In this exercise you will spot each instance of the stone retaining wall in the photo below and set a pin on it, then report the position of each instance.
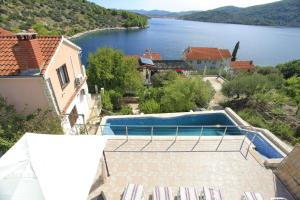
(289, 172)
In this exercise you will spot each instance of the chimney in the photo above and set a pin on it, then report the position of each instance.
(28, 52)
(251, 62)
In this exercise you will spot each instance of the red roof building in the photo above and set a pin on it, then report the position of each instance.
(17, 53)
(204, 53)
(44, 72)
(242, 65)
(152, 56)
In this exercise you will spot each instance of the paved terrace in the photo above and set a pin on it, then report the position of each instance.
(187, 163)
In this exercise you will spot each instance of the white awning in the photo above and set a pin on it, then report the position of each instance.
(50, 167)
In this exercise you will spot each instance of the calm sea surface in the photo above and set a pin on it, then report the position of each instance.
(263, 45)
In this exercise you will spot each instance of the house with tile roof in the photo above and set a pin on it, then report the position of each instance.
(242, 66)
(204, 57)
(44, 72)
(152, 56)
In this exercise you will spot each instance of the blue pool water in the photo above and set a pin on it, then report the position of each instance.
(190, 125)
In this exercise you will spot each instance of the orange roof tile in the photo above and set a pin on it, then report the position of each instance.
(4, 32)
(242, 65)
(8, 61)
(225, 53)
(204, 53)
(152, 56)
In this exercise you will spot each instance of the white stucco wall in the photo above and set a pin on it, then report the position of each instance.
(82, 103)
(210, 63)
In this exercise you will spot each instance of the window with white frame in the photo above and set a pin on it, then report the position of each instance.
(63, 76)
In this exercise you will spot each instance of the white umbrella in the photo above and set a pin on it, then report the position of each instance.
(50, 167)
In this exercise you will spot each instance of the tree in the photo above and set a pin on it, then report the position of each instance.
(108, 68)
(184, 94)
(133, 81)
(247, 85)
(290, 69)
(159, 79)
(235, 51)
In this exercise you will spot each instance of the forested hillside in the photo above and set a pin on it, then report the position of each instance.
(63, 16)
(162, 13)
(281, 13)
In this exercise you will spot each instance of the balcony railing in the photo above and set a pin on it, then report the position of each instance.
(246, 133)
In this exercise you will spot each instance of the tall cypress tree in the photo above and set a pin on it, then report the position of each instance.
(235, 51)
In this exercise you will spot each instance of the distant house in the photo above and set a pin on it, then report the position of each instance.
(242, 66)
(44, 72)
(145, 66)
(175, 65)
(201, 57)
(152, 56)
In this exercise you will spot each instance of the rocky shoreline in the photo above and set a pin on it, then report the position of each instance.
(104, 29)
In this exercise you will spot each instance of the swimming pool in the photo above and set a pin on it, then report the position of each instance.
(208, 124)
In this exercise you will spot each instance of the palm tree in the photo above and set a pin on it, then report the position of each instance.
(235, 51)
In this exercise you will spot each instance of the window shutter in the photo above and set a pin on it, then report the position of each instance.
(73, 116)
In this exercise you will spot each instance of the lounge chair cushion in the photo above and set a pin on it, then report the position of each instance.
(133, 192)
(188, 193)
(253, 196)
(212, 194)
(162, 193)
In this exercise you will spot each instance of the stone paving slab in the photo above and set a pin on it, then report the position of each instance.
(229, 171)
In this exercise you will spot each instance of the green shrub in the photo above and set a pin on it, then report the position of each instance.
(149, 106)
(290, 69)
(125, 110)
(279, 128)
(283, 130)
(115, 98)
(253, 118)
(266, 70)
(13, 125)
(160, 79)
(106, 102)
(247, 85)
(184, 94)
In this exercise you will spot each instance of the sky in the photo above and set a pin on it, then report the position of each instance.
(176, 5)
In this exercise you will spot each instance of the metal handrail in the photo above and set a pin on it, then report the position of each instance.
(174, 126)
(242, 130)
(222, 138)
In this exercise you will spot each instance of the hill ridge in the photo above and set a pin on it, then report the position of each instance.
(63, 16)
(280, 13)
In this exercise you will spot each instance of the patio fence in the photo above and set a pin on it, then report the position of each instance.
(218, 136)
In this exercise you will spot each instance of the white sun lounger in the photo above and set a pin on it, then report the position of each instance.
(252, 196)
(188, 193)
(209, 193)
(133, 192)
(162, 193)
